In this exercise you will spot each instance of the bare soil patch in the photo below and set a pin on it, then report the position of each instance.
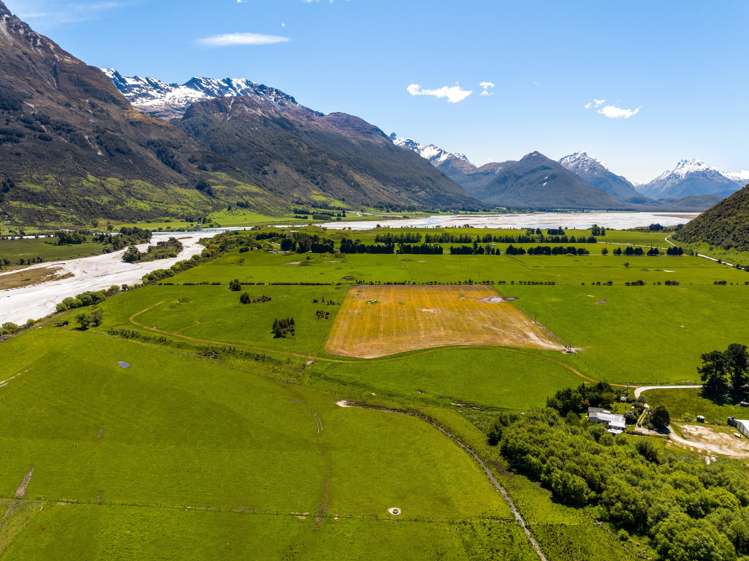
(31, 276)
(21, 490)
(725, 443)
(377, 321)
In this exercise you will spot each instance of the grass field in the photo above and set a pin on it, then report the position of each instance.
(377, 321)
(187, 444)
(182, 429)
(46, 249)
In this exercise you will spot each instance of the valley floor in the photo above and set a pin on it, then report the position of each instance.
(182, 425)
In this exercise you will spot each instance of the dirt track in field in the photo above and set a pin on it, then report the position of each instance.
(377, 321)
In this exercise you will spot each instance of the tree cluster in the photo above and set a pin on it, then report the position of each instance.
(72, 238)
(89, 320)
(306, 243)
(162, 250)
(725, 374)
(577, 400)
(247, 299)
(86, 299)
(685, 510)
(284, 328)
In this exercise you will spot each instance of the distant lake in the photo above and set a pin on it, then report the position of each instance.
(569, 220)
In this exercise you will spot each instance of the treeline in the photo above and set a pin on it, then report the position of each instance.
(4, 262)
(685, 510)
(630, 251)
(355, 246)
(546, 250)
(450, 238)
(306, 243)
(89, 298)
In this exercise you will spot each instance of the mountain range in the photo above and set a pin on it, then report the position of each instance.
(691, 185)
(79, 144)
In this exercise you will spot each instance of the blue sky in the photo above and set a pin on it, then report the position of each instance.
(673, 74)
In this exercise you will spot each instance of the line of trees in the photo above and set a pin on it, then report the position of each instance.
(531, 237)
(306, 243)
(355, 246)
(546, 250)
(420, 249)
(630, 251)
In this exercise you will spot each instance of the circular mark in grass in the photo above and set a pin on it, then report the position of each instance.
(394, 511)
(124, 364)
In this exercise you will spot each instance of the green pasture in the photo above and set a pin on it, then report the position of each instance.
(47, 249)
(194, 456)
(686, 405)
(182, 443)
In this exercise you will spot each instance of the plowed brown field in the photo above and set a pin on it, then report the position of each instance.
(377, 321)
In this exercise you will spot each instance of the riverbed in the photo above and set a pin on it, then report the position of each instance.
(88, 274)
(571, 220)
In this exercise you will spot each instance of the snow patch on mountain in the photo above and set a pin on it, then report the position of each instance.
(434, 154)
(156, 97)
(690, 178)
(741, 176)
(582, 162)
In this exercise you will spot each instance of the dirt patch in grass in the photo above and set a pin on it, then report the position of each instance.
(21, 490)
(728, 443)
(377, 321)
(31, 276)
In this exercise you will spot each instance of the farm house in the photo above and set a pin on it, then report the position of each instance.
(614, 423)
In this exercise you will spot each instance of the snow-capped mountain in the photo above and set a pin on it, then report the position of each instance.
(455, 166)
(597, 174)
(169, 101)
(741, 177)
(434, 154)
(690, 178)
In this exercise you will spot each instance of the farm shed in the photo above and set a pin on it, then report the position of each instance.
(742, 427)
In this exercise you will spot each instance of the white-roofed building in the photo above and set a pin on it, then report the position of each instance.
(615, 424)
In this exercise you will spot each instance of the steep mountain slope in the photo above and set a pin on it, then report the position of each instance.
(541, 183)
(170, 101)
(725, 225)
(67, 133)
(689, 178)
(598, 175)
(305, 155)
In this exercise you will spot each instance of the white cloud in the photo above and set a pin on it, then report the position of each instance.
(594, 103)
(52, 13)
(611, 111)
(242, 39)
(614, 112)
(486, 88)
(453, 94)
